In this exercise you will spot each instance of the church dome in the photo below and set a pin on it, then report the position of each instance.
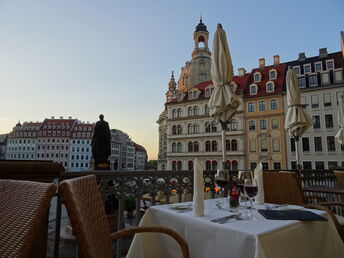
(201, 26)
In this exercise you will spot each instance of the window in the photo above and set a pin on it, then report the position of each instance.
(253, 90)
(253, 165)
(317, 144)
(305, 144)
(330, 143)
(207, 146)
(208, 165)
(179, 129)
(339, 94)
(252, 125)
(312, 78)
(319, 165)
(195, 113)
(325, 78)
(315, 101)
(329, 121)
(208, 92)
(228, 145)
(232, 125)
(179, 147)
(277, 165)
(302, 82)
(202, 77)
(174, 147)
(275, 123)
(179, 112)
(179, 165)
(327, 99)
(276, 146)
(262, 105)
(234, 145)
(174, 113)
(263, 145)
(269, 87)
(214, 146)
(257, 77)
(316, 122)
(190, 147)
(195, 128)
(329, 64)
(190, 128)
(293, 164)
(190, 165)
(190, 111)
(273, 74)
(252, 145)
(307, 165)
(213, 126)
(318, 67)
(265, 165)
(174, 165)
(196, 148)
(250, 107)
(296, 69)
(174, 130)
(332, 164)
(207, 127)
(263, 124)
(273, 104)
(214, 165)
(307, 68)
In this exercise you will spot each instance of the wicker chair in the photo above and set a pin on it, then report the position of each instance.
(285, 188)
(340, 178)
(24, 211)
(87, 214)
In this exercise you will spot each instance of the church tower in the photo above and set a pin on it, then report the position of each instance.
(171, 93)
(201, 37)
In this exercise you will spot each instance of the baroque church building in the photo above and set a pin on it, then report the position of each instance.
(186, 131)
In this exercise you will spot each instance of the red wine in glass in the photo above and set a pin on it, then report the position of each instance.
(251, 190)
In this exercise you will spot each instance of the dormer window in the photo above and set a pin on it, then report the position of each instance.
(253, 90)
(318, 66)
(329, 64)
(270, 87)
(257, 77)
(296, 70)
(273, 74)
(208, 92)
(202, 77)
(307, 68)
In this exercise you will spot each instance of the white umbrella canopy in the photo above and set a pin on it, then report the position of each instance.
(297, 120)
(340, 116)
(223, 102)
(342, 41)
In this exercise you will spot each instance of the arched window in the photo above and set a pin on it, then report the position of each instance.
(179, 147)
(190, 128)
(190, 111)
(214, 146)
(174, 130)
(214, 165)
(270, 87)
(179, 129)
(196, 147)
(213, 126)
(257, 77)
(206, 110)
(195, 111)
(174, 147)
(208, 165)
(179, 165)
(234, 145)
(190, 147)
(174, 165)
(174, 113)
(273, 74)
(234, 165)
(190, 165)
(207, 127)
(195, 128)
(253, 90)
(228, 145)
(228, 164)
(207, 146)
(179, 112)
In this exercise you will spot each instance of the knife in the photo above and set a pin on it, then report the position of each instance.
(222, 219)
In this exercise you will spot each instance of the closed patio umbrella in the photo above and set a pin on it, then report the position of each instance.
(340, 116)
(342, 41)
(297, 120)
(223, 103)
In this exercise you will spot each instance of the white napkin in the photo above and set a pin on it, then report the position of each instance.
(198, 197)
(258, 175)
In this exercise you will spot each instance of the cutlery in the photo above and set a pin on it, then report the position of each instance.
(224, 219)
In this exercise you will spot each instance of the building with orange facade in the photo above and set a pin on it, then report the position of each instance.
(264, 116)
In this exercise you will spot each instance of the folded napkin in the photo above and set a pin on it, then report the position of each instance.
(198, 197)
(258, 175)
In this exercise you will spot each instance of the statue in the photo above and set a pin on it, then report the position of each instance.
(101, 144)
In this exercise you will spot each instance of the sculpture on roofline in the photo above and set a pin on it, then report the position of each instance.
(101, 144)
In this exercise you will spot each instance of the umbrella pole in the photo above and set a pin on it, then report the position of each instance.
(298, 165)
(223, 127)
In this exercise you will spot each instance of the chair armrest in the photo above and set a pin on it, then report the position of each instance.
(130, 231)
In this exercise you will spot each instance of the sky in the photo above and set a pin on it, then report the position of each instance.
(81, 58)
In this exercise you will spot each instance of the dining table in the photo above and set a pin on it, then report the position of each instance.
(235, 238)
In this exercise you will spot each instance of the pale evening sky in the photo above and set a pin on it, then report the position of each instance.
(82, 58)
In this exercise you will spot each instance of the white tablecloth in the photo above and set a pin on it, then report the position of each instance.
(236, 238)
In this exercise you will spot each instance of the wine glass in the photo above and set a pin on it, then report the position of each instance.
(251, 191)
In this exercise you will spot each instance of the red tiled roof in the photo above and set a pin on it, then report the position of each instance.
(279, 81)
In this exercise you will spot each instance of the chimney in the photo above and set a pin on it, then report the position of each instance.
(322, 52)
(302, 56)
(52, 117)
(276, 59)
(261, 62)
(241, 71)
(61, 117)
